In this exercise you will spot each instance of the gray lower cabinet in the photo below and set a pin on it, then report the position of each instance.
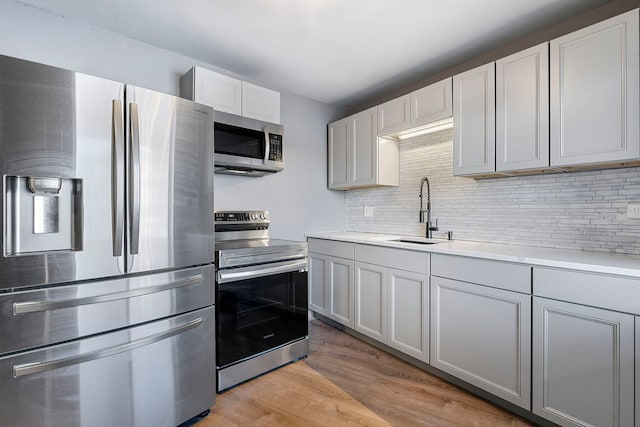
(637, 363)
(482, 335)
(331, 291)
(583, 364)
(371, 300)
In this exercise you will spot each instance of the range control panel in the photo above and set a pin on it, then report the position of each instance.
(241, 220)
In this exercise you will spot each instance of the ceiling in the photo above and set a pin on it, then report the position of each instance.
(340, 52)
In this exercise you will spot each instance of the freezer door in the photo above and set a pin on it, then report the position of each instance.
(169, 181)
(158, 374)
(60, 135)
(40, 317)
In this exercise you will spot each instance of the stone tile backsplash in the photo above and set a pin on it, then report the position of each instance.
(575, 210)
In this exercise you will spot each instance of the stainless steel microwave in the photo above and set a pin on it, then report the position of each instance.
(246, 146)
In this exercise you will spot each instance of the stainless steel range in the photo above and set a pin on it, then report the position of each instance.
(261, 298)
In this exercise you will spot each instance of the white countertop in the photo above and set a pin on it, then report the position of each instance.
(620, 264)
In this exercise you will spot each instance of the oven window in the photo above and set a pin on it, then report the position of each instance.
(259, 314)
(238, 141)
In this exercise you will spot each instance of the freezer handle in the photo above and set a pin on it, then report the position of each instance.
(134, 189)
(37, 367)
(37, 306)
(117, 177)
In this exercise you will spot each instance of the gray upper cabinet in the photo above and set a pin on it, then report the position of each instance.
(583, 364)
(474, 146)
(522, 110)
(357, 157)
(416, 110)
(594, 94)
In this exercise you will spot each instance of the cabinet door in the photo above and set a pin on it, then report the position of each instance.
(260, 103)
(583, 364)
(371, 301)
(318, 291)
(221, 92)
(474, 139)
(408, 312)
(431, 103)
(482, 335)
(363, 156)
(393, 116)
(522, 110)
(594, 93)
(340, 282)
(637, 365)
(338, 152)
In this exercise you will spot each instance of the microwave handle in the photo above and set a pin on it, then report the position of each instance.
(267, 145)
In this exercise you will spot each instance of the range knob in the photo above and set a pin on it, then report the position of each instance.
(254, 216)
(263, 216)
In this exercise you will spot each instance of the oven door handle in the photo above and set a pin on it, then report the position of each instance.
(246, 273)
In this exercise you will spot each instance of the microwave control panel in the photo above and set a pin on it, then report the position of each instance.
(275, 150)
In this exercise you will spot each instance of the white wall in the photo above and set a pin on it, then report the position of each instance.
(297, 197)
(574, 210)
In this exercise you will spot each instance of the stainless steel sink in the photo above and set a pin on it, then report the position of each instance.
(417, 241)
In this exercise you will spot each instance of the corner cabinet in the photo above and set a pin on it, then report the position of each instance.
(357, 157)
(595, 94)
(474, 112)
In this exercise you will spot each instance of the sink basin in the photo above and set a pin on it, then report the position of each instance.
(417, 241)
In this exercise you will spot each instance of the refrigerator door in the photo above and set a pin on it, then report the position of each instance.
(157, 374)
(62, 165)
(169, 181)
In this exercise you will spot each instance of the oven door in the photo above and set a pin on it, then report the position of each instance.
(260, 308)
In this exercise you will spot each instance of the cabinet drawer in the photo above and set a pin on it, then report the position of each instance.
(396, 258)
(497, 274)
(599, 290)
(331, 247)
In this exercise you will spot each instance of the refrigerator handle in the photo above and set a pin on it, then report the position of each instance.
(117, 177)
(134, 173)
(267, 145)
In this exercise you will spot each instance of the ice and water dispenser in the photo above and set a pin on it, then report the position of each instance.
(42, 214)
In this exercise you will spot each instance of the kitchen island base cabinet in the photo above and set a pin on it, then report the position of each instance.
(482, 335)
(583, 364)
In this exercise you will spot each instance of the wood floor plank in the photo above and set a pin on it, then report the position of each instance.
(347, 382)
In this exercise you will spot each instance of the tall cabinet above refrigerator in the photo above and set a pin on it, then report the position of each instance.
(106, 271)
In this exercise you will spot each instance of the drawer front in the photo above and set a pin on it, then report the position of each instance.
(158, 374)
(395, 258)
(47, 316)
(331, 247)
(594, 289)
(497, 274)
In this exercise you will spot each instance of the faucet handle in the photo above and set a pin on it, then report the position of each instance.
(434, 227)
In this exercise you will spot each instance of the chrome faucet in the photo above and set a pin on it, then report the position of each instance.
(425, 214)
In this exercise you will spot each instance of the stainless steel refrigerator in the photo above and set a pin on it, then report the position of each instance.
(106, 271)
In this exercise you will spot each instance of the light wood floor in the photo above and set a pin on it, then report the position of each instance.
(345, 381)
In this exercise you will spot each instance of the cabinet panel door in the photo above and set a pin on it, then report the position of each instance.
(594, 93)
(260, 103)
(431, 103)
(522, 110)
(583, 364)
(221, 92)
(363, 154)
(393, 115)
(371, 301)
(637, 364)
(482, 335)
(408, 311)
(318, 291)
(338, 154)
(340, 284)
(474, 135)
